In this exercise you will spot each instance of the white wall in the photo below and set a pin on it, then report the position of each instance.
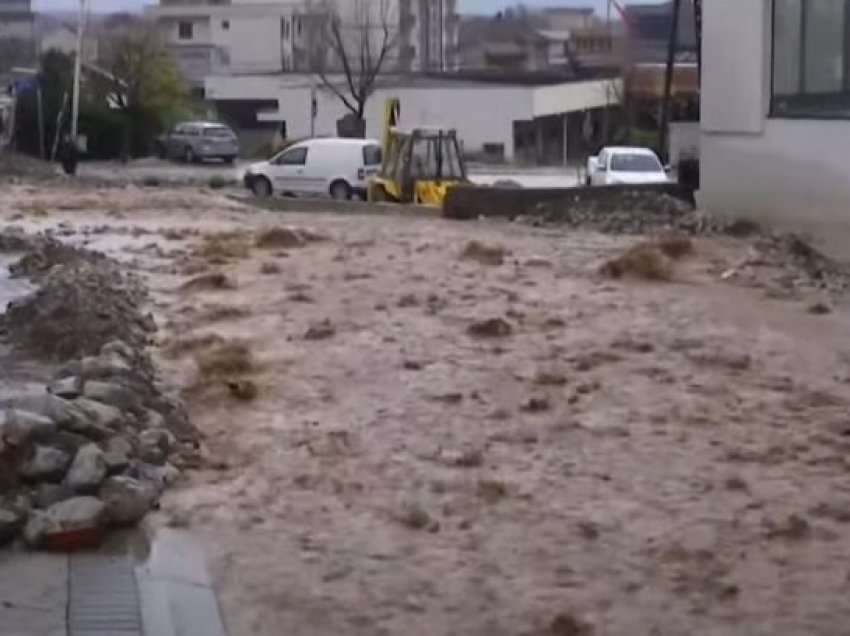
(568, 98)
(254, 43)
(16, 28)
(793, 174)
(480, 114)
(201, 33)
(734, 63)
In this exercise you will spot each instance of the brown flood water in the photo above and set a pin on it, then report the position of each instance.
(645, 459)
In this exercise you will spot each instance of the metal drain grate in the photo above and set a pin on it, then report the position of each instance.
(103, 596)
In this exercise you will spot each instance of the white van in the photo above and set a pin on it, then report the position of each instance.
(334, 166)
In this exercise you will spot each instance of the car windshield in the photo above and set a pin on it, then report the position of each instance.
(219, 132)
(634, 163)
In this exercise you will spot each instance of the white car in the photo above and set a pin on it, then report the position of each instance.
(617, 165)
(337, 167)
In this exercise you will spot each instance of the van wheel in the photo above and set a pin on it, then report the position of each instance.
(340, 191)
(261, 187)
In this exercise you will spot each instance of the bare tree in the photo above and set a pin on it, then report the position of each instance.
(357, 44)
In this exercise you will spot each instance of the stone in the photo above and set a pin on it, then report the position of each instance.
(19, 427)
(154, 419)
(105, 366)
(117, 454)
(126, 500)
(48, 494)
(159, 477)
(118, 348)
(109, 393)
(80, 515)
(64, 413)
(46, 464)
(67, 441)
(155, 444)
(67, 388)
(100, 417)
(10, 522)
(87, 470)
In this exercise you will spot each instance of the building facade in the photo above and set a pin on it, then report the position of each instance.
(776, 113)
(17, 34)
(550, 123)
(215, 37)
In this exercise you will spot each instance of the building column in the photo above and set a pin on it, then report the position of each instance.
(566, 124)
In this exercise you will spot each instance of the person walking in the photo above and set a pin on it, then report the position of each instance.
(69, 156)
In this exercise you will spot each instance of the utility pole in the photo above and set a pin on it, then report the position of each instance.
(668, 79)
(75, 99)
(606, 118)
(40, 109)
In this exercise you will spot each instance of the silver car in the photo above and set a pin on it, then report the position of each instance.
(197, 141)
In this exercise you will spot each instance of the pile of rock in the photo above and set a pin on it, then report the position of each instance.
(83, 301)
(95, 449)
(98, 446)
(634, 212)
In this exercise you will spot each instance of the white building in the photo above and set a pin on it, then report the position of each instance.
(17, 34)
(776, 113)
(512, 121)
(215, 37)
(57, 36)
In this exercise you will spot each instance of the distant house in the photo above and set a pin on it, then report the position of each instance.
(502, 42)
(776, 113)
(648, 32)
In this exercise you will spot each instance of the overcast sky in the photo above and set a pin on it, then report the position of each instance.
(466, 6)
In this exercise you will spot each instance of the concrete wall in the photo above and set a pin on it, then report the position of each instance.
(201, 32)
(17, 28)
(254, 43)
(793, 174)
(481, 115)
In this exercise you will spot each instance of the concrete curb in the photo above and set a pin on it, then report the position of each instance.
(280, 204)
(175, 589)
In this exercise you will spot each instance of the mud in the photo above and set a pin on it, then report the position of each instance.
(632, 458)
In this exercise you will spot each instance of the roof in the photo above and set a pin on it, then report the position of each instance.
(478, 30)
(204, 124)
(555, 35)
(342, 141)
(633, 150)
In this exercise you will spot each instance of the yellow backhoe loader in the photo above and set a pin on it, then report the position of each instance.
(419, 165)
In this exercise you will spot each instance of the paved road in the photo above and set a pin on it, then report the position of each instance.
(167, 171)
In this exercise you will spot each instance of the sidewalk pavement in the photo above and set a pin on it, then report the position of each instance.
(129, 587)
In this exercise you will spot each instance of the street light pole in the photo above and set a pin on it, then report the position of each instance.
(75, 99)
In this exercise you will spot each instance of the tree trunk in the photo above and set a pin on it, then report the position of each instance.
(126, 137)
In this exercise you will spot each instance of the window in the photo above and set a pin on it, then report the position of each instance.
(225, 25)
(371, 155)
(294, 157)
(634, 163)
(185, 30)
(219, 132)
(811, 58)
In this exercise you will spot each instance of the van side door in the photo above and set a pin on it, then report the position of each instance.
(287, 170)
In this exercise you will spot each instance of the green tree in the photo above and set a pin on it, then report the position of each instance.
(142, 82)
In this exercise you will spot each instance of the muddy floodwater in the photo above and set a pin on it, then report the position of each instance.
(405, 441)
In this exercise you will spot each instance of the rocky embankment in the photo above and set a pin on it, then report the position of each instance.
(99, 444)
